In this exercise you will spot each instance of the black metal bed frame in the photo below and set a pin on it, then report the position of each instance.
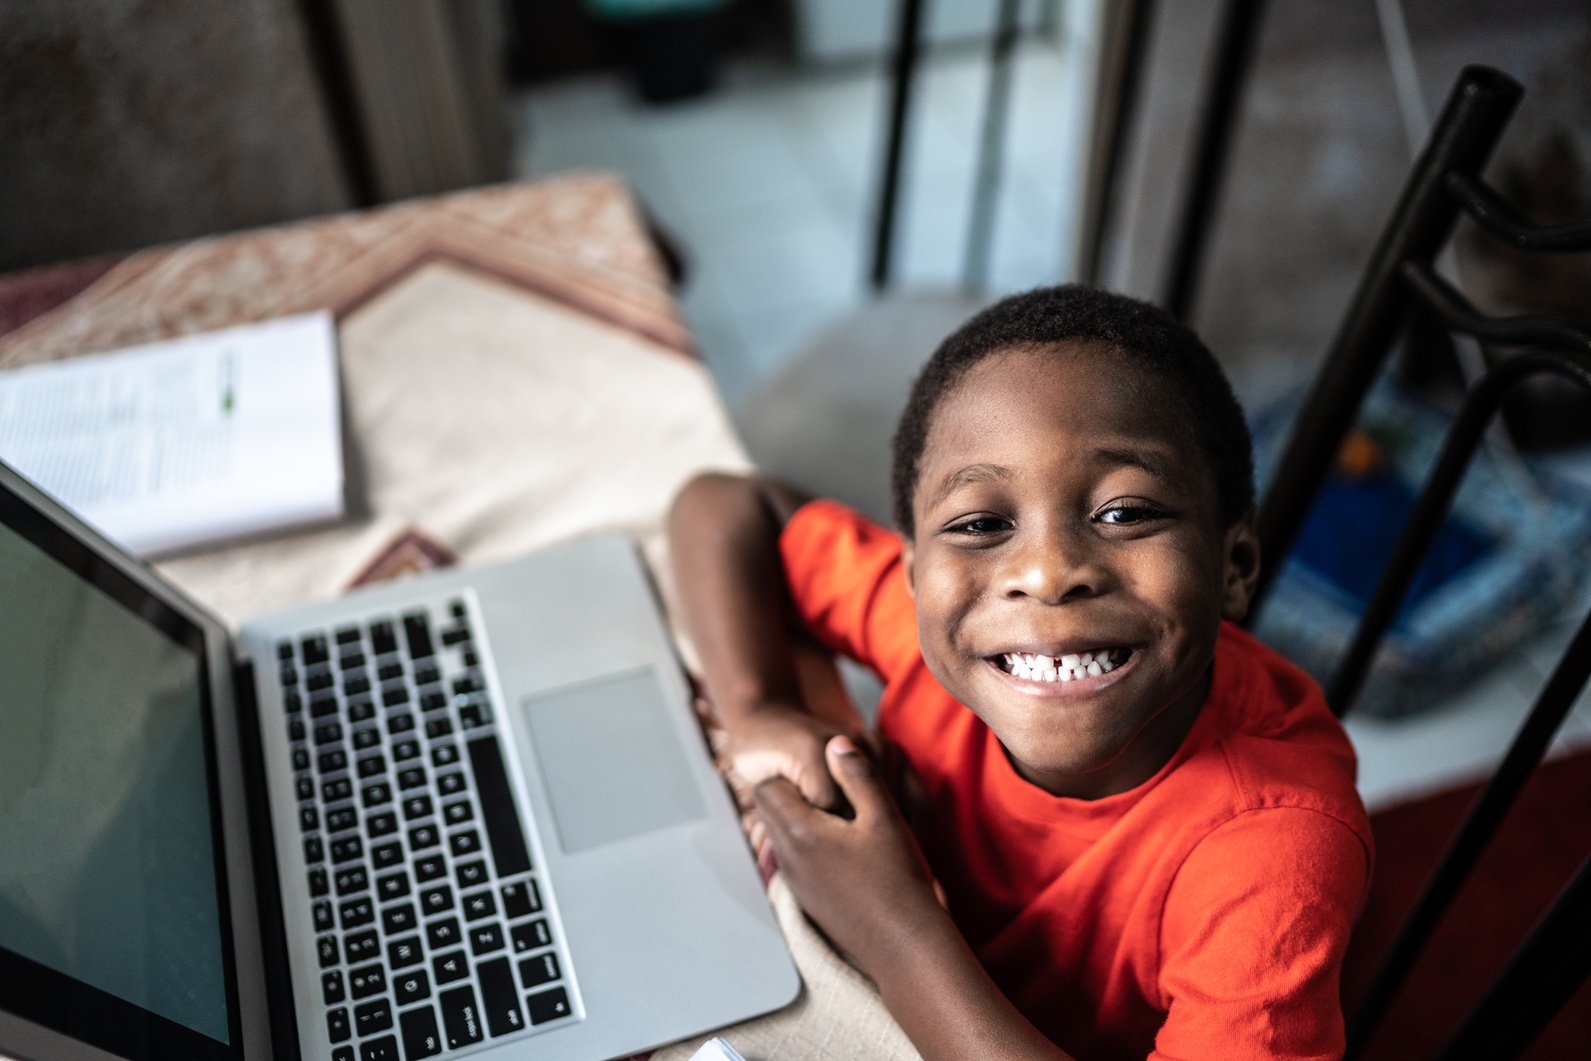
(1556, 956)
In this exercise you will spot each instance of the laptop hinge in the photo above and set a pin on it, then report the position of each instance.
(262, 841)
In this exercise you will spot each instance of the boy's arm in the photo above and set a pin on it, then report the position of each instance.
(864, 882)
(729, 580)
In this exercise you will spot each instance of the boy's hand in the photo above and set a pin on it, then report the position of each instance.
(772, 742)
(863, 880)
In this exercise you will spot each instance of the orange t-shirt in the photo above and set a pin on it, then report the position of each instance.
(1202, 914)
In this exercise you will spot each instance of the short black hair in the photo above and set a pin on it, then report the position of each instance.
(1144, 334)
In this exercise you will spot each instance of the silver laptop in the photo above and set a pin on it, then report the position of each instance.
(469, 814)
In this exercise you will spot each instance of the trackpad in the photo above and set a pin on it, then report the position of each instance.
(612, 759)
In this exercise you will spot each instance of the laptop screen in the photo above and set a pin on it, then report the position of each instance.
(113, 917)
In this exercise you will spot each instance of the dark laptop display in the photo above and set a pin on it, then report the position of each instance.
(112, 897)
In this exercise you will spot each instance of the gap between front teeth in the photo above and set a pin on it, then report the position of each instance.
(1032, 666)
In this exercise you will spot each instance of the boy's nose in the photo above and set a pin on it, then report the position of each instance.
(1052, 568)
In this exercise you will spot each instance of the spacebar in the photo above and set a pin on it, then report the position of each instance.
(497, 805)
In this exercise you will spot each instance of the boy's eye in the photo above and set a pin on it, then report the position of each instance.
(1129, 513)
(980, 525)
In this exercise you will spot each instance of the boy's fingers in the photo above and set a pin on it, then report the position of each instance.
(854, 772)
(778, 802)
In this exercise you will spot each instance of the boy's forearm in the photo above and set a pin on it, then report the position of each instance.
(947, 1005)
(729, 579)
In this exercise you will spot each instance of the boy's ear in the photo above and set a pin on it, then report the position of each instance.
(907, 554)
(1240, 567)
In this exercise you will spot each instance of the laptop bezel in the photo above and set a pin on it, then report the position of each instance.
(86, 1022)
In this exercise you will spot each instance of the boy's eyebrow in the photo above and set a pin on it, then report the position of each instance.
(1150, 460)
(972, 473)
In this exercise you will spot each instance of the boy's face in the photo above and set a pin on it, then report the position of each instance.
(1064, 507)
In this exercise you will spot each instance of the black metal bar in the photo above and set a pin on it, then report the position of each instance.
(330, 59)
(908, 40)
(1110, 146)
(1502, 220)
(1545, 716)
(1540, 978)
(1546, 329)
(1463, 139)
(1234, 58)
(991, 146)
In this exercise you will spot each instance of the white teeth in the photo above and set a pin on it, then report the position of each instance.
(1031, 666)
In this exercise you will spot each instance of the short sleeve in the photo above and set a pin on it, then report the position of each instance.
(849, 586)
(1252, 940)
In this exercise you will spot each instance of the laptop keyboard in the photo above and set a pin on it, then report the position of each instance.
(430, 923)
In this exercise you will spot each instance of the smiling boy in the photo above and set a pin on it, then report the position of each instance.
(1143, 822)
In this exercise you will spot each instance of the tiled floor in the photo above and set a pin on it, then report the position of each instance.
(769, 185)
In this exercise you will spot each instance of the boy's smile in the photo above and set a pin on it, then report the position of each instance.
(1069, 564)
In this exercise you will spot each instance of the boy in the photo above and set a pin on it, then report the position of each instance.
(1144, 823)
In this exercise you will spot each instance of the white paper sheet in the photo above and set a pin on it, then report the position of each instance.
(201, 438)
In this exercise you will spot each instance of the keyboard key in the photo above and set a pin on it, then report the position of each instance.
(347, 849)
(460, 1017)
(390, 671)
(331, 988)
(479, 905)
(318, 885)
(380, 792)
(313, 849)
(295, 729)
(300, 759)
(402, 953)
(501, 817)
(548, 1005)
(382, 1049)
(356, 684)
(426, 674)
(284, 650)
(471, 658)
(499, 999)
(350, 880)
(444, 755)
(348, 635)
(385, 856)
(366, 737)
(487, 938)
(373, 1017)
(314, 648)
(411, 777)
(323, 916)
(423, 836)
(333, 761)
(474, 716)
(465, 685)
(436, 900)
(337, 1025)
(458, 812)
(418, 807)
(417, 632)
(429, 868)
(392, 886)
(471, 873)
(292, 702)
(521, 899)
(305, 787)
(450, 784)
(465, 843)
(356, 912)
(321, 706)
(531, 936)
(326, 949)
(336, 790)
(443, 933)
(402, 722)
(412, 987)
(542, 969)
(381, 824)
(457, 610)
(353, 659)
(456, 635)
(420, 1036)
(437, 727)
(361, 711)
(396, 919)
(450, 966)
(367, 980)
(434, 700)
(361, 947)
(382, 638)
(394, 695)
(341, 819)
(318, 681)
(288, 674)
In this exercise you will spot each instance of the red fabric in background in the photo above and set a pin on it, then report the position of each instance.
(1542, 841)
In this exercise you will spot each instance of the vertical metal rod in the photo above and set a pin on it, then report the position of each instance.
(1465, 134)
(1540, 978)
(908, 40)
(1122, 66)
(991, 148)
(1234, 57)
